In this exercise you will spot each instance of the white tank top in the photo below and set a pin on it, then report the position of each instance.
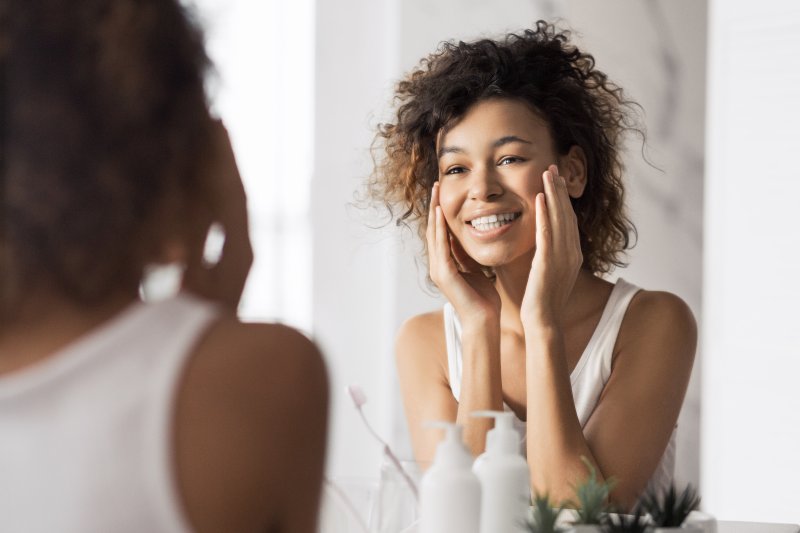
(85, 435)
(589, 376)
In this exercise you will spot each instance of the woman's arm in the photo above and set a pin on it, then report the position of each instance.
(631, 425)
(422, 354)
(555, 441)
(424, 382)
(629, 430)
(481, 382)
(422, 370)
(638, 410)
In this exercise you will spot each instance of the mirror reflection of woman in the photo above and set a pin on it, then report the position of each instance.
(506, 155)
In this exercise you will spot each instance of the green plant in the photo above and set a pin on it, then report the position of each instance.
(626, 523)
(592, 497)
(544, 515)
(671, 509)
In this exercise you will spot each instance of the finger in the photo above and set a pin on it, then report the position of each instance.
(568, 231)
(551, 194)
(442, 240)
(543, 230)
(562, 193)
(430, 230)
(458, 254)
(553, 203)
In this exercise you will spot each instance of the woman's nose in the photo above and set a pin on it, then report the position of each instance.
(484, 184)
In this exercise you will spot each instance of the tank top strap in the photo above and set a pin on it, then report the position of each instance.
(196, 315)
(594, 365)
(452, 337)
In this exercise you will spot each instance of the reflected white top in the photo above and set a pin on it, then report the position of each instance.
(85, 435)
(589, 376)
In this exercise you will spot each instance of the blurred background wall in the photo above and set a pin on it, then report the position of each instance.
(303, 84)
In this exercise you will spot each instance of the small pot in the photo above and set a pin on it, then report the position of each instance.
(584, 528)
(685, 528)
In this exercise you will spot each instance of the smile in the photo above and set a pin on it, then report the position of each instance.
(491, 222)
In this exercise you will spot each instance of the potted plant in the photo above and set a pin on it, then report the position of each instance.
(626, 523)
(544, 516)
(669, 512)
(592, 502)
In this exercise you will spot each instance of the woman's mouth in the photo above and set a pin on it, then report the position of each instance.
(492, 222)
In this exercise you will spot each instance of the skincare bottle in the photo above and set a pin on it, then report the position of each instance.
(504, 477)
(450, 493)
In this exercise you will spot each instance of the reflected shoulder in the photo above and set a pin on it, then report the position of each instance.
(420, 340)
(659, 318)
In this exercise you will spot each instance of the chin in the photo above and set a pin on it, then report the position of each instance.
(499, 258)
(492, 260)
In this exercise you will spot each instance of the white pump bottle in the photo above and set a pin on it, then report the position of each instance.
(504, 476)
(450, 493)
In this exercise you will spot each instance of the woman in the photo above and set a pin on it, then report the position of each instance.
(506, 154)
(117, 415)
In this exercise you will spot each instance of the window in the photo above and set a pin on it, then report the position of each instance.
(263, 52)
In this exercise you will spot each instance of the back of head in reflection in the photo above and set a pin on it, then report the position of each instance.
(119, 415)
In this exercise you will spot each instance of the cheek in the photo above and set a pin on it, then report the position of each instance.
(449, 201)
(533, 185)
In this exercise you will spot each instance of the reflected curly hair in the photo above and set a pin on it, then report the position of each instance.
(541, 68)
(105, 114)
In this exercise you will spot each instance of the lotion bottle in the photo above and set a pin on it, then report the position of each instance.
(504, 476)
(450, 493)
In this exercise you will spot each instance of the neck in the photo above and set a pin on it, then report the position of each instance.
(46, 323)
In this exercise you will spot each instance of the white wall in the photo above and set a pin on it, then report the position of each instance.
(352, 274)
(751, 338)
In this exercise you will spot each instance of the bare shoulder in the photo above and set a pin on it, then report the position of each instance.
(421, 341)
(662, 319)
(264, 362)
(252, 400)
(241, 348)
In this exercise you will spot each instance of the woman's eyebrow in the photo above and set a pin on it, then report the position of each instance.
(502, 141)
(509, 139)
(449, 150)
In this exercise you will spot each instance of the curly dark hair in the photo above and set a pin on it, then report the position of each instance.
(105, 114)
(541, 68)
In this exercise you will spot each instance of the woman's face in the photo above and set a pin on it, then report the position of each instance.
(490, 171)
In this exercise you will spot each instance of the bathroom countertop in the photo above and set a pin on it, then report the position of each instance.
(755, 527)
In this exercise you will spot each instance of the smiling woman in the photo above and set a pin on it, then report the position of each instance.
(505, 154)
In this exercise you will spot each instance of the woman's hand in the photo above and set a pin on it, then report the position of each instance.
(223, 281)
(558, 256)
(455, 273)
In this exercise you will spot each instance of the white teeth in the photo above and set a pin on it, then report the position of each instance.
(492, 221)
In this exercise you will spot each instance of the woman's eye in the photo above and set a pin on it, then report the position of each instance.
(454, 170)
(508, 160)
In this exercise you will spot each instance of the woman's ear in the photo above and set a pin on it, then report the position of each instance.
(573, 167)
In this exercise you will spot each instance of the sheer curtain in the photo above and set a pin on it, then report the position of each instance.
(263, 89)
